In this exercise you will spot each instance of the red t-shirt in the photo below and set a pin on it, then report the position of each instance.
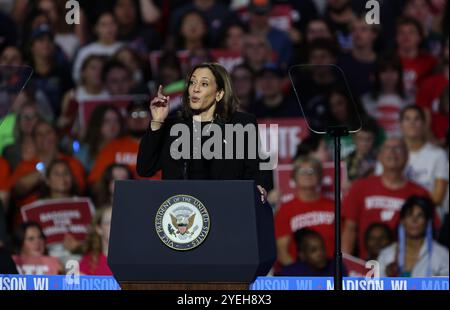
(100, 269)
(296, 214)
(42, 265)
(121, 151)
(439, 125)
(428, 97)
(5, 173)
(416, 69)
(369, 201)
(430, 90)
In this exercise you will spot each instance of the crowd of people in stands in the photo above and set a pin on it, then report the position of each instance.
(75, 128)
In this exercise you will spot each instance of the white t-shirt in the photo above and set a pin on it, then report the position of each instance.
(95, 48)
(68, 42)
(427, 165)
(82, 95)
(439, 260)
(424, 167)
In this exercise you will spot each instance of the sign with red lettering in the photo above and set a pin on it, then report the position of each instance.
(40, 265)
(121, 102)
(283, 180)
(226, 58)
(291, 131)
(59, 217)
(281, 17)
(356, 267)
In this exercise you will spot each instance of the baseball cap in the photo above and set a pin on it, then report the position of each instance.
(271, 68)
(40, 31)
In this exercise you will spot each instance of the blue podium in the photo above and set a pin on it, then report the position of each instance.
(190, 235)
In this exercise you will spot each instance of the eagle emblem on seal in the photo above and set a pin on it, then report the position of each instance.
(182, 223)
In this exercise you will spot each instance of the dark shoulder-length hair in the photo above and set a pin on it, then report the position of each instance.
(45, 191)
(20, 234)
(352, 105)
(424, 203)
(388, 61)
(93, 137)
(226, 107)
(180, 40)
(104, 194)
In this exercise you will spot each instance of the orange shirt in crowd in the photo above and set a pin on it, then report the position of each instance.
(27, 167)
(120, 151)
(5, 173)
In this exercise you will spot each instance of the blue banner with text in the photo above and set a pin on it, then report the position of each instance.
(27, 282)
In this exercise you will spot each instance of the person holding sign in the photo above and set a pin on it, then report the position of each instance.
(30, 251)
(29, 175)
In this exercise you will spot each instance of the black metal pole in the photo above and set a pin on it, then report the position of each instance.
(337, 213)
(337, 132)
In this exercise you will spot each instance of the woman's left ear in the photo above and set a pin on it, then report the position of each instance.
(219, 95)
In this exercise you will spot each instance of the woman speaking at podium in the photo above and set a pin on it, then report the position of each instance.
(208, 102)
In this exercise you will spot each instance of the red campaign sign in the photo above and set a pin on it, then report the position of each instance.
(291, 131)
(226, 58)
(283, 180)
(356, 267)
(61, 216)
(41, 265)
(121, 102)
(388, 116)
(281, 17)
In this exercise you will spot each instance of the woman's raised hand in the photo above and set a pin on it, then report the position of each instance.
(159, 107)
